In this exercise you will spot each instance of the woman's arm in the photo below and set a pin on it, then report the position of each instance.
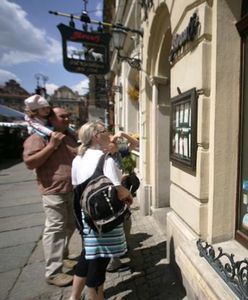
(114, 174)
(133, 143)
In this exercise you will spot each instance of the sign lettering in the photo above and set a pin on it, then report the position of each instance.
(85, 52)
(179, 40)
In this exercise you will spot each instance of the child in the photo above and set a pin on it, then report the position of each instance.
(37, 112)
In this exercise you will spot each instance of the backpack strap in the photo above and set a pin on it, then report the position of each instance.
(78, 190)
(99, 168)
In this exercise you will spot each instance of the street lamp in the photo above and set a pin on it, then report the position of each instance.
(41, 90)
(119, 35)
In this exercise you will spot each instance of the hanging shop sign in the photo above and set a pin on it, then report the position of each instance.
(183, 129)
(188, 35)
(85, 52)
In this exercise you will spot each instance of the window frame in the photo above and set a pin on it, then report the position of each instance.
(190, 98)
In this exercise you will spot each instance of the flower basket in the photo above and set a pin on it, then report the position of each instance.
(133, 93)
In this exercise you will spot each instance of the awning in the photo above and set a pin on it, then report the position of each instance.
(11, 113)
(13, 124)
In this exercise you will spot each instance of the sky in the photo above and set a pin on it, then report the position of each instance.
(30, 42)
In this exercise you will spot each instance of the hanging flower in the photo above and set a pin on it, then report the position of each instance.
(133, 92)
(135, 135)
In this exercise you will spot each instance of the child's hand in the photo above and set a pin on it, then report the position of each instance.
(56, 139)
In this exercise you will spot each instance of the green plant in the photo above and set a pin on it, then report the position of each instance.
(128, 164)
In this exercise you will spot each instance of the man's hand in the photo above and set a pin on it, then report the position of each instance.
(56, 139)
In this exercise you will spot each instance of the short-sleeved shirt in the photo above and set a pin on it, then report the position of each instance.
(84, 166)
(54, 176)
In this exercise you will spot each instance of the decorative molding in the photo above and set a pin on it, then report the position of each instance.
(159, 80)
(234, 273)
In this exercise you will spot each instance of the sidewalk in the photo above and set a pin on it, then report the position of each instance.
(21, 254)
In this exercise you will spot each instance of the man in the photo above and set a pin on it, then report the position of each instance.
(118, 152)
(52, 161)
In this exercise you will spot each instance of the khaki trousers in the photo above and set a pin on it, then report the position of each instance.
(59, 227)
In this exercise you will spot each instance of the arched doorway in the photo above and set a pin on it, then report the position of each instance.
(157, 87)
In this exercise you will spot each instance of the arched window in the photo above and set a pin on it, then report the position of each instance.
(242, 204)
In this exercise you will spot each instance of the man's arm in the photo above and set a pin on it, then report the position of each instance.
(37, 159)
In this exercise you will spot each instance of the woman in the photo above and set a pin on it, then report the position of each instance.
(91, 268)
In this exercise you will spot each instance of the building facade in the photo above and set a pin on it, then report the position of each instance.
(13, 95)
(191, 115)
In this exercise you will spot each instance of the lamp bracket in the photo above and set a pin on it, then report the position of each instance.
(127, 29)
(132, 61)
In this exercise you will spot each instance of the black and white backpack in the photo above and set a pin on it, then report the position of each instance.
(100, 203)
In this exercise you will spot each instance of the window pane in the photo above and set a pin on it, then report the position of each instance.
(244, 149)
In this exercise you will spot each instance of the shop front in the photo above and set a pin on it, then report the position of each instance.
(193, 128)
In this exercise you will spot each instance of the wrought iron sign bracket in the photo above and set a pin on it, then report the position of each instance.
(132, 61)
(117, 88)
(146, 5)
(234, 273)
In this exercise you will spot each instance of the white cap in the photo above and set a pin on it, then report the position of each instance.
(36, 102)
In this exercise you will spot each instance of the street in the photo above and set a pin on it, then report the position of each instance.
(21, 254)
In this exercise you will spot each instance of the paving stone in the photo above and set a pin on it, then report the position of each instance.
(19, 198)
(7, 281)
(19, 237)
(139, 281)
(15, 257)
(23, 221)
(24, 209)
(31, 284)
(37, 255)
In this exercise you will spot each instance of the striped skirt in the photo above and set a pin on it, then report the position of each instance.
(108, 244)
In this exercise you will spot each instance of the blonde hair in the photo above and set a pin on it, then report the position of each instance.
(31, 113)
(85, 135)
